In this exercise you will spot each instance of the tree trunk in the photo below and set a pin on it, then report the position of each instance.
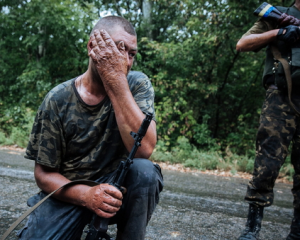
(147, 17)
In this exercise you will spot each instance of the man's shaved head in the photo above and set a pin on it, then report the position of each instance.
(111, 23)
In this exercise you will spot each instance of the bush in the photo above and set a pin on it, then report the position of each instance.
(204, 160)
(15, 126)
(287, 170)
(188, 155)
(4, 140)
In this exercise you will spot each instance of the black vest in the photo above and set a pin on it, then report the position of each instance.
(290, 53)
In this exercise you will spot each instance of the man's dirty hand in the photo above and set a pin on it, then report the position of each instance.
(110, 60)
(104, 200)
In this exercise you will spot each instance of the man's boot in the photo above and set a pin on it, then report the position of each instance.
(295, 226)
(253, 224)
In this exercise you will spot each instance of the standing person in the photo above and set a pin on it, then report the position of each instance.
(279, 121)
(82, 131)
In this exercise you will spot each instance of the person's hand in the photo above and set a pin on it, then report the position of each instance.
(289, 34)
(104, 200)
(286, 20)
(110, 60)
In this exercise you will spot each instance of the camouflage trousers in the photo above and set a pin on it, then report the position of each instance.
(279, 127)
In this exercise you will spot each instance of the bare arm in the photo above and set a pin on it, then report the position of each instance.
(253, 42)
(129, 118)
(258, 36)
(112, 65)
(104, 199)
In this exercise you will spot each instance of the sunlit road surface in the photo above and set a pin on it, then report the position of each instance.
(192, 206)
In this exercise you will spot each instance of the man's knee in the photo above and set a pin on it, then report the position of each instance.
(141, 165)
(144, 173)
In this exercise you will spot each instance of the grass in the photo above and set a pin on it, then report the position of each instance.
(183, 153)
(189, 156)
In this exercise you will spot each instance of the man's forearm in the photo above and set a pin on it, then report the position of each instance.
(129, 118)
(49, 180)
(113, 64)
(253, 42)
(103, 199)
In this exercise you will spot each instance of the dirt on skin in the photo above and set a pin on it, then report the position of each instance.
(176, 167)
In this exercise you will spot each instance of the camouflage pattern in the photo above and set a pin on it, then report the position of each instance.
(279, 126)
(81, 140)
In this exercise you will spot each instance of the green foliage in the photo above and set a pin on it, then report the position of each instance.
(208, 96)
(188, 155)
(242, 140)
(4, 140)
(42, 44)
(15, 130)
(203, 136)
(235, 162)
(199, 95)
(287, 169)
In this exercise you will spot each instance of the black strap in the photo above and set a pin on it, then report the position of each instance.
(20, 219)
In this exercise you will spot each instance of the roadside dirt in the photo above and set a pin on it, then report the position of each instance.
(176, 167)
(194, 205)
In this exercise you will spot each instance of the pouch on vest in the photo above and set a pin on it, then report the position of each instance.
(294, 63)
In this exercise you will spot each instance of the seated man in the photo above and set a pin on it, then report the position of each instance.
(82, 132)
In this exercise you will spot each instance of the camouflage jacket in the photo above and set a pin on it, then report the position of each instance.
(81, 140)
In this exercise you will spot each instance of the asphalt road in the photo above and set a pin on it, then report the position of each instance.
(192, 206)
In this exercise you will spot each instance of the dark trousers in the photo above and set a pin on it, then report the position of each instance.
(59, 220)
(279, 126)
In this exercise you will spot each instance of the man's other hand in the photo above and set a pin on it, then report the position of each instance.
(289, 34)
(286, 20)
(104, 200)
